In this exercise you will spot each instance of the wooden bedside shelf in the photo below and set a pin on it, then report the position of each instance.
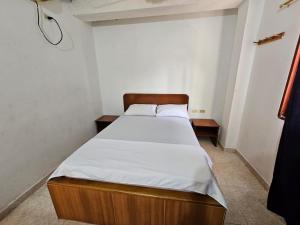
(104, 121)
(206, 128)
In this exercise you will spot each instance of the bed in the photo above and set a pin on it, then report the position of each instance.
(140, 171)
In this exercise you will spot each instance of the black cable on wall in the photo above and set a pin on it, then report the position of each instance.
(41, 29)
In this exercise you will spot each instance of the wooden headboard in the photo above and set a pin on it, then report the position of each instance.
(159, 99)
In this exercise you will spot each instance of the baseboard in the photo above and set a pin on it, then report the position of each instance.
(249, 166)
(254, 172)
(227, 149)
(14, 204)
(232, 150)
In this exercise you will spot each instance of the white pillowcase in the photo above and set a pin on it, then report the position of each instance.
(141, 110)
(172, 110)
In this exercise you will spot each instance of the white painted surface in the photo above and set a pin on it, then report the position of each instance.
(183, 56)
(252, 13)
(99, 10)
(49, 96)
(261, 129)
(233, 68)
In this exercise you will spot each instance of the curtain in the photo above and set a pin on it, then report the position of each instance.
(290, 84)
(284, 194)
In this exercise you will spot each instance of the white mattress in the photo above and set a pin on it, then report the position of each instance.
(145, 151)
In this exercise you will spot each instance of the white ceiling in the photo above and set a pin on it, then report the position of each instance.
(101, 10)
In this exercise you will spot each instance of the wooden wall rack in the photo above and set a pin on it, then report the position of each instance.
(270, 39)
(287, 4)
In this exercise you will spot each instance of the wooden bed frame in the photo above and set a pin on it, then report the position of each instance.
(106, 203)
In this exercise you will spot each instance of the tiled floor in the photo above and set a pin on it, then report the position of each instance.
(246, 197)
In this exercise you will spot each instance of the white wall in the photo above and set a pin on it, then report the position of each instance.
(261, 129)
(249, 19)
(49, 96)
(181, 56)
(96, 10)
(233, 68)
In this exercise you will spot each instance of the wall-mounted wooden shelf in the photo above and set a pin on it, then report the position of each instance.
(287, 4)
(270, 39)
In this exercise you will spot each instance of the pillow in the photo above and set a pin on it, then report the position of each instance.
(141, 110)
(173, 110)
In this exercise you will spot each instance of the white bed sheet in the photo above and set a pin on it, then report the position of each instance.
(145, 151)
(172, 130)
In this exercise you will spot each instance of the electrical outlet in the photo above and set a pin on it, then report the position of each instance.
(198, 110)
(42, 0)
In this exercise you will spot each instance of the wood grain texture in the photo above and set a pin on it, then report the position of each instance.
(205, 123)
(188, 213)
(107, 118)
(159, 99)
(106, 203)
(117, 204)
(132, 209)
(206, 128)
(87, 205)
(104, 121)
